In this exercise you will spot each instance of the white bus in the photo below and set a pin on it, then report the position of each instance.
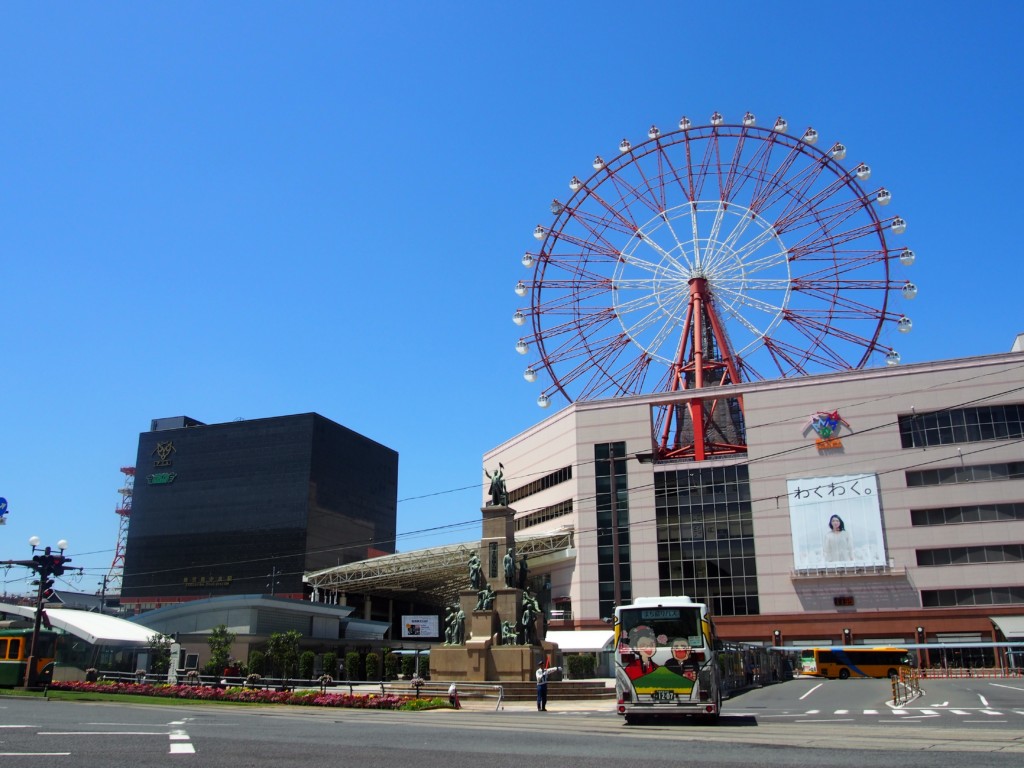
(665, 660)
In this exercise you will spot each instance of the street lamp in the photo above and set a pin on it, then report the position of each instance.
(46, 566)
(778, 637)
(846, 636)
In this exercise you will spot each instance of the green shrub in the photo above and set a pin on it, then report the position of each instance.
(408, 665)
(372, 666)
(257, 663)
(352, 668)
(391, 665)
(580, 665)
(330, 664)
(307, 659)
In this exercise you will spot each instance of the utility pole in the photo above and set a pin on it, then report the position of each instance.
(103, 595)
(273, 579)
(46, 566)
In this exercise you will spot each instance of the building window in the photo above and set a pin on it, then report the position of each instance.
(992, 553)
(973, 473)
(611, 496)
(543, 515)
(980, 513)
(943, 598)
(706, 538)
(962, 425)
(548, 481)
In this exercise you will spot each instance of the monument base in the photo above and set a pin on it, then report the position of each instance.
(476, 663)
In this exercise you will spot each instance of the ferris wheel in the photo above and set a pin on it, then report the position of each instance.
(711, 255)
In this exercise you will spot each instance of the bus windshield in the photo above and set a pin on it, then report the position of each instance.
(666, 624)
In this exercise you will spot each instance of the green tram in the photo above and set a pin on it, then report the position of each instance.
(15, 647)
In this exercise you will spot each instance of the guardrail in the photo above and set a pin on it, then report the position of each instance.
(957, 672)
(465, 690)
(906, 685)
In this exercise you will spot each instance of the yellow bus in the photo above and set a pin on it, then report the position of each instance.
(846, 661)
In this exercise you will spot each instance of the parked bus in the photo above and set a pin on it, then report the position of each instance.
(15, 647)
(665, 660)
(845, 662)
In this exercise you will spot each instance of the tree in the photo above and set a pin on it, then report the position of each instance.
(159, 653)
(220, 641)
(330, 664)
(257, 662)
(372, 666)
(283, 653)
(352, 668)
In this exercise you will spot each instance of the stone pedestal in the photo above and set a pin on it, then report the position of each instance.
(483, 658)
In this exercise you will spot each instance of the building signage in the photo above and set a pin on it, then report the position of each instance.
(836, 522)
(207, 582)
(419, 626)
(826, 426)
(161, 478)
(163, 452)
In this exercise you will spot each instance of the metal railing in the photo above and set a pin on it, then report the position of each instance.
(906, 685)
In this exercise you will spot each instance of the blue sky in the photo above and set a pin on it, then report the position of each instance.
(241, 210)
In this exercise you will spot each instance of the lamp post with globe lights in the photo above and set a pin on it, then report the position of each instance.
(46, 565)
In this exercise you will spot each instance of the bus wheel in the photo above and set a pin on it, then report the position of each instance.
(844, 674)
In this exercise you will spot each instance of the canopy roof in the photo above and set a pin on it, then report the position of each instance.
(582, 641)
(436, 574)
(1012, 627)
(95, 628)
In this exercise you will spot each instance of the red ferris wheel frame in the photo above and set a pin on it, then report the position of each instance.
(708, 256)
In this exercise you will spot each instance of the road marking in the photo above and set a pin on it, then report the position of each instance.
(180, 742)
(943, 704)
(990, 712)
(959, 712)
(102, 733)
(812, 711)
(870, 711)
(811, 691)
(1011, 687)
(183, 749)
(984, 701)
(928, 712)
(19, 726)
(34, 754)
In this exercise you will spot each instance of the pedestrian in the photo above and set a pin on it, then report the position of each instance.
(542, 685)
(453, 696)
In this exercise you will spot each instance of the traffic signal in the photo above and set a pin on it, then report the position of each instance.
(58, 564)
(46, 589)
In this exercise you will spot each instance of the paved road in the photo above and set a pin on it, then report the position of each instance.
(35, 732)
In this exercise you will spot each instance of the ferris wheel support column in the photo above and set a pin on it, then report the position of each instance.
(696, 405)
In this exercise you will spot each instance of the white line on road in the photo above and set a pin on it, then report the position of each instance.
(984, 701)
(1011, 687)
(102, 733)
(811, 691)
(34, 754)
(183, 749)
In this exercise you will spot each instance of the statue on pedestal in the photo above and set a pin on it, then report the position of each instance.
(499, 496)
(508, 633)
(531, 610)
(485, 599)
(454, 633)
(510, 567)
(524, 572)
(476, 572)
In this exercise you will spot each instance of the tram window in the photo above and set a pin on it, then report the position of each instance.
(14, 651)
(3, 648)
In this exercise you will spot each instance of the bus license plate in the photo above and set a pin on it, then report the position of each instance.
(664, 696)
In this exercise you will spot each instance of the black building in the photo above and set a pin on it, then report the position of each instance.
(246, 507)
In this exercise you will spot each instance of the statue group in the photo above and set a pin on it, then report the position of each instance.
(512, 632)
(499, 496)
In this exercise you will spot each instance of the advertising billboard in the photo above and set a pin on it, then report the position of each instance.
(417, 627)
(836, 522)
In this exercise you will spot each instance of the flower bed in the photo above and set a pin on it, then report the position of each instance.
(252, 696)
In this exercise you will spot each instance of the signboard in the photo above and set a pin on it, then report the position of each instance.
(417, 627)
(836, 522)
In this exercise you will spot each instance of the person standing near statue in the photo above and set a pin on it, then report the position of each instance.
(499, 496)
(542, 685)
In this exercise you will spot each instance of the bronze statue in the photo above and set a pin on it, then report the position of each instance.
(524, 572)
(531, 610)
(510, 567)
(499, 496)
(485, 599)
(476, 572)
(508, 633)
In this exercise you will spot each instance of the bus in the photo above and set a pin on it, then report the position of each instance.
(845, 662)
(15, 647)
(665, 660)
